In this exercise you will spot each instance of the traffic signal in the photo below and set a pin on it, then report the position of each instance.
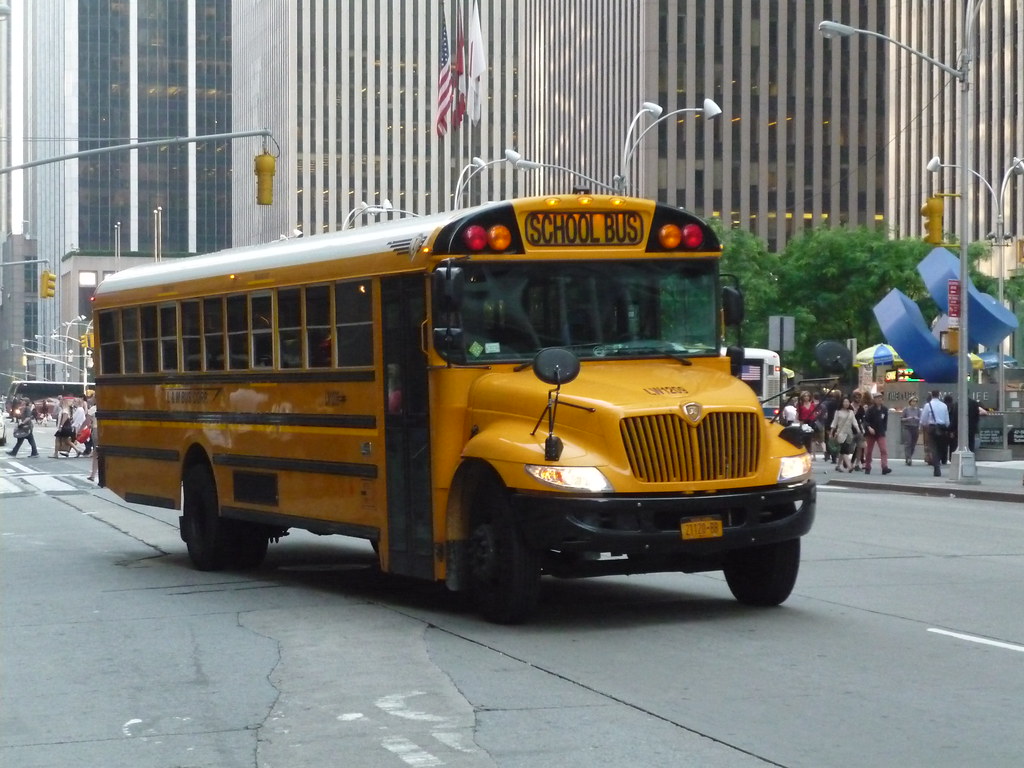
(932, 212)
(264, 167)
(86, 340)
(47, 285)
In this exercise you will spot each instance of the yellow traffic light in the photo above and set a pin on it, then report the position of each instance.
(264, 167)
(932, 212)
(47, 285)
(86, 340)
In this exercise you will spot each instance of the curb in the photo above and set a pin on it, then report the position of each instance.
(952, 491)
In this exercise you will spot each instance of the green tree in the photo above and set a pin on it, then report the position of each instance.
(746, 258)
(831, 279)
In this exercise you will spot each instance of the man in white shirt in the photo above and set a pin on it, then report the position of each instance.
(935, 423)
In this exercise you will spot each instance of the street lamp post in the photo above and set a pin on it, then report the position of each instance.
(963, 457)
(709, 109)
(999, 202)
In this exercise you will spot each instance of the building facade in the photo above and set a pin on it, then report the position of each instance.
(812, 132)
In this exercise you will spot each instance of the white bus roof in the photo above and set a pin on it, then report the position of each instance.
(395, 235)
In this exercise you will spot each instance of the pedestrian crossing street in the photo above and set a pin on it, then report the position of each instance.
(25, 477)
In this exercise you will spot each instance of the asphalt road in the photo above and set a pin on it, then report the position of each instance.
(903, 644)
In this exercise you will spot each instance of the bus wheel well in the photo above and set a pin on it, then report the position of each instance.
(196, 454)
(472, 478)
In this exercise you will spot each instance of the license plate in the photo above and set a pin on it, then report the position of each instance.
(705, 528)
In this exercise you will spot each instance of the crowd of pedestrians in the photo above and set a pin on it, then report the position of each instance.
(847, 429)
(76, 431)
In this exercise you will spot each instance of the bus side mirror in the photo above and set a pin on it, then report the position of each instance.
(732, 305)
(447, 340)
(448, 282)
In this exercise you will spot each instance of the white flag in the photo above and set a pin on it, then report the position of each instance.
(476, 69)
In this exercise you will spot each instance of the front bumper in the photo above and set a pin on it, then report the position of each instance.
(650, 524)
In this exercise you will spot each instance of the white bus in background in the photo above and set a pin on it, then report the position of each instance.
(762, 370)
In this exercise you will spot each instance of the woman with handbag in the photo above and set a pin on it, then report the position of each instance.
(62, 437)
(845, 429)
(23, 431)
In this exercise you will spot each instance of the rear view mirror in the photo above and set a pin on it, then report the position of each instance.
(732, 305)
(447, 282)
(556, 366)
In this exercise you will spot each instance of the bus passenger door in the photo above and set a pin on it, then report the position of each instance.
(406, 428)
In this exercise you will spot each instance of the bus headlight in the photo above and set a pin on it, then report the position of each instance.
(794, 467)
(588, 479)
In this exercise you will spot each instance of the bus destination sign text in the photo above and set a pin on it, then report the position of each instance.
(584, 228)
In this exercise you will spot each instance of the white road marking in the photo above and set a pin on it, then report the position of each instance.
(126, 729)
(410, 753)
(46, 483)
(395, 705)
(981, 640)
(6, 486)
(350, 716)
(22, 469)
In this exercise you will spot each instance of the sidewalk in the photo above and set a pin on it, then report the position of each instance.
(997, 480)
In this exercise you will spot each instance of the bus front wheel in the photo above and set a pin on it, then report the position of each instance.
(504, 572)
(765, 575)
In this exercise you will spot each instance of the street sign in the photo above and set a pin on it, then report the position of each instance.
(781, 333)
(953, 294)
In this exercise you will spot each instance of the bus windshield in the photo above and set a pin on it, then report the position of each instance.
(635, 308)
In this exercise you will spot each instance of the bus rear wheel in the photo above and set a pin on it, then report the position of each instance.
(504, 572)
(202, 528)
(765, 575)
(215, 543)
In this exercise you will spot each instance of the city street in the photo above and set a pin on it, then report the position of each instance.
(903, 644)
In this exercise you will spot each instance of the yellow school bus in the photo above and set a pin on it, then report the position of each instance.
(525, 388)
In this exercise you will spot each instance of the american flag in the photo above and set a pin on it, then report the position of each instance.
(444, 81)
(750, 373)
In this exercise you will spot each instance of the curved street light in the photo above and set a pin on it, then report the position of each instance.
(966, 471)
(709, 109)
(471, 169)
(520, 163)
(999, 202)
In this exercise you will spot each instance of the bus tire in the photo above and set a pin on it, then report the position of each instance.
(504, 573)
(206, 534)
(765, 575)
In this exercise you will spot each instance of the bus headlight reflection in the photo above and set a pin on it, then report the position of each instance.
(588, 479)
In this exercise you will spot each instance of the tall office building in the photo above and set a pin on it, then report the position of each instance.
(106, 74)
(812, 132)
(350, 91)
(926, 119)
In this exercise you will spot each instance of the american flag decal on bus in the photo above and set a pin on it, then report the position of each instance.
(750, 373)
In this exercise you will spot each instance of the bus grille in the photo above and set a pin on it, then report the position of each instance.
(665, 448)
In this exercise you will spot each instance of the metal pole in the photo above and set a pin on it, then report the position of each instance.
(1000, 359)
(965, 470)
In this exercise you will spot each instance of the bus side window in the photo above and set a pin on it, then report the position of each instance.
(150, 340)
(191, 344)
(262, 316)
(238, 332)
(289, 327)
(318, 326)
(130, 338)
(213, 334)
(110, 342)
(353, 312)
